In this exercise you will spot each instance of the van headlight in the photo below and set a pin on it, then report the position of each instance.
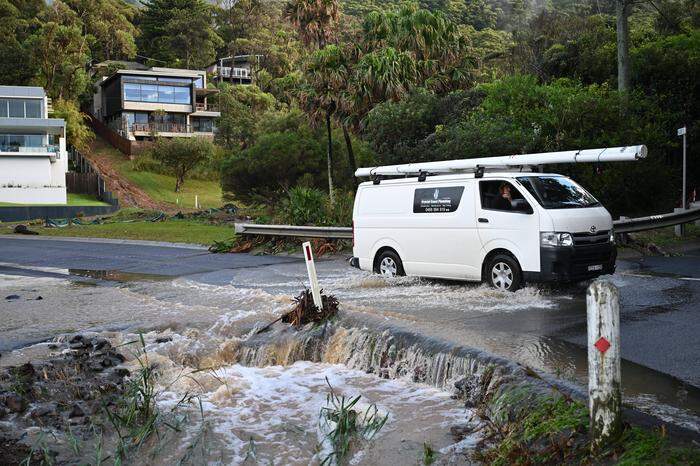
(554, 239)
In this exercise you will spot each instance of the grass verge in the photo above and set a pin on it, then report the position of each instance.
(174, 231)
(665, 237)
(554, 430)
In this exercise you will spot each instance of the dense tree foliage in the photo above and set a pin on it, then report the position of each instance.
(340, 80)
(179, 33)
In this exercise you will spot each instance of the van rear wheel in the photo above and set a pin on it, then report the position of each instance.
(389, 265)
(503, 273)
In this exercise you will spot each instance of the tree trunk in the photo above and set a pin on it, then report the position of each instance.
(622, 8)
(179, 180)
(351, 153)
(331, 195)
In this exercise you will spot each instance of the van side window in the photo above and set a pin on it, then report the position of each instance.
(502, 195)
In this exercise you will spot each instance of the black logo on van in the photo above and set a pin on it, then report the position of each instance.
(437, 200)
(593, 229)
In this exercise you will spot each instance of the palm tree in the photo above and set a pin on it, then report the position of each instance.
(315, 20)
(326, 76)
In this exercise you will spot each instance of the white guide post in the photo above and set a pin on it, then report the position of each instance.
(313, 279)
(604, 378)
(196, 201)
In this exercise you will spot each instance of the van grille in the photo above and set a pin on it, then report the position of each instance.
(584, 239)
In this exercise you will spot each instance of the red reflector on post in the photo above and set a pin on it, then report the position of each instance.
(308, 253)
(602, 345)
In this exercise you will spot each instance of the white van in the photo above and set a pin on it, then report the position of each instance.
(459, 226)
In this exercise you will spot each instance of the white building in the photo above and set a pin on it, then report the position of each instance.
(33, 157)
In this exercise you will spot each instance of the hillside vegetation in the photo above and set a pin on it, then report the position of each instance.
(341, 84)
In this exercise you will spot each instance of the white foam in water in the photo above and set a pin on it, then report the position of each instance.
(413, 291)
(279, 408)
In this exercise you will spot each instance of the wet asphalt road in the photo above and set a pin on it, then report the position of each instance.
(660, 306)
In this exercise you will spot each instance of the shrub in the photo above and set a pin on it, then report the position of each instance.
(305, 206)
(182, 155)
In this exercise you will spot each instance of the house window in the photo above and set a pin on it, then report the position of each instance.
(16, 108)
(14, 142)
(149, 93)
(202, 125)
(182, 95)
(166, 94)
(157, 93)
(132, 92)
(20, 108)
(32, 109)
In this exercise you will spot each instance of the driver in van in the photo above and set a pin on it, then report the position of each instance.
(504, 201)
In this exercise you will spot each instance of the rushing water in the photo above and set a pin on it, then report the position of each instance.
(205, 317)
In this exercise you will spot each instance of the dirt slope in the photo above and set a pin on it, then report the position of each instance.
(106, 160)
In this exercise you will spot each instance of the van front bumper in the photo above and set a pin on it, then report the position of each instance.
(574, 263)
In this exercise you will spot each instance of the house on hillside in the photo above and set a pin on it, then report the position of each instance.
(236, 69)
(33, 156)
(167, 102)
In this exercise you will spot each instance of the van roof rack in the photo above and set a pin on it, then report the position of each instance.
(508, 162)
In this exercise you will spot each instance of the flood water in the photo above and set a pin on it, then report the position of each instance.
(273, 412)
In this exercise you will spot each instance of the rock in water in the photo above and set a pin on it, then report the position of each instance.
(12, 297)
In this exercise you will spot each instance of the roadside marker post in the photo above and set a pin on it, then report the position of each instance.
(604, 375)
(680, 229)
(313, 279)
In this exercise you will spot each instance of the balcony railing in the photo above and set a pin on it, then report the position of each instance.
(161, 127)
(169, 128)
(227, 72)
(200, 107)
(47, 148)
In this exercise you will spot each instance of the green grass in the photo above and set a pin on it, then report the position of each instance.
(161, 188)
(665, 237)
(176, 231)
(81, 200)
(554, 430)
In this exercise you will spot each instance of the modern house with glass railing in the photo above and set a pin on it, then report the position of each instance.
(33, 157)
(164, 102)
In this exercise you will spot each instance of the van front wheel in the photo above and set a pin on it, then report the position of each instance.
(389, 265)
(503, 273)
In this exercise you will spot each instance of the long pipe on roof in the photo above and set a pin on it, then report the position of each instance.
(607, 154)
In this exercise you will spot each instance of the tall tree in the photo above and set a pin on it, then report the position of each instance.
(110, 22)
(327, 74)
(622, 10)
(179, 33)
(16, 25)
(316, 22)
(60, 52)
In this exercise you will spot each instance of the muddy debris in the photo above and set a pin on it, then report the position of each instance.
(22, 229)
(305, 311)
(65, 393)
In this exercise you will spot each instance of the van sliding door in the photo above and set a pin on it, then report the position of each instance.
(506, 220)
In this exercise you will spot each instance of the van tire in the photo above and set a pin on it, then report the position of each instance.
(503, 272)
(389, 264)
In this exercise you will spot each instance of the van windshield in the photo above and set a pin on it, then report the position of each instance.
(558, 192)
